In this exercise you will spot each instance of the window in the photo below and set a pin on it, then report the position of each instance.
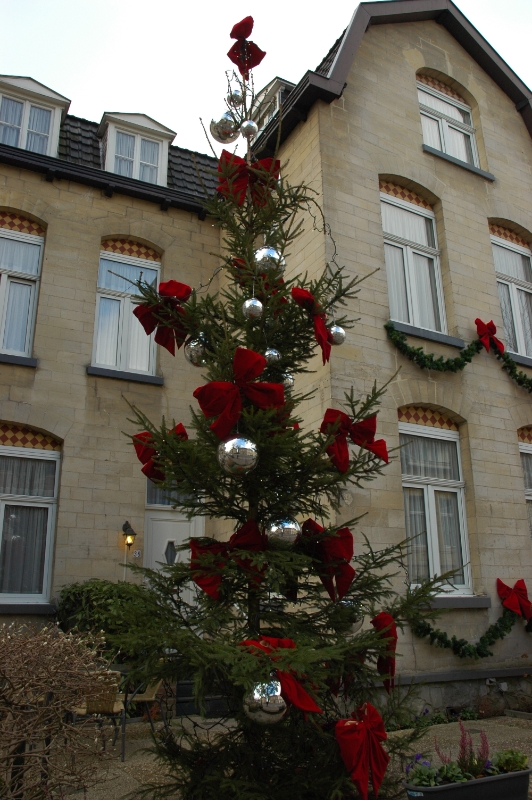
(412, 265)
(526, 462)
(446, 124)
(28, 498)
(434, 505)
(25, 125)
(20, 268)
(514, 283)
(136, 157)
(119, 339)
(155, 496)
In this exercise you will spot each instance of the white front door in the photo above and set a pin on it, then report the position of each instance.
(164, 530)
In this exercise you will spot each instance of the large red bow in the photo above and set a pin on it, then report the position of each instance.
(306, 300)
(161, 316)
(223, 399)
(291, 689)
(235, 175)
(146, 452)
(360, 741)
(515, 599)
(486, 333)
(248, 537)
(386, 664)
(361, 433)
(335, 553)
(244, 54)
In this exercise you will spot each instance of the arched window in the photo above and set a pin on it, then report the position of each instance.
(446, 120)
(513, 267)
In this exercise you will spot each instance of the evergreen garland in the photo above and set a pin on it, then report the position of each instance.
(515, 374)
(461, 647)
(429, 360)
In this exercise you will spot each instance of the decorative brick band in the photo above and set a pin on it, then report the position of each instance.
(440, 87)
(506, 233)
(16, 222)
(525, 434)
(128, 248)
(395, 190)
(426, 416)
(16, 436)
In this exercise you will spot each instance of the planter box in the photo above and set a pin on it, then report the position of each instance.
(512, 785)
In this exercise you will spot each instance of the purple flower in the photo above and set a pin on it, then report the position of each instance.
(487, 765)
(425, 763)
(408, 768)
(418, 757)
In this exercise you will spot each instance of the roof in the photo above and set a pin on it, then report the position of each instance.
(328, 81)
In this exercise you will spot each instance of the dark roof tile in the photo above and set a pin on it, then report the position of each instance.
(325, 65)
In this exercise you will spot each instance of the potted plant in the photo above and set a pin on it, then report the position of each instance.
(473, 776)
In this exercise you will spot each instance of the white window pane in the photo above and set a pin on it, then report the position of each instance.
(431, 132)
(125, 145)
(529, 512)
(416, 533)
(40, 120)
(459, 145)
(23, 549)
(120, 277)
(107, 335)
(508, 262)
(449, 539)
(526, 462)
(123, 166)
(10, 121)
(406, 224)
(155, 496)
(429, 458)
(424, 278)
(139, 344)
(440, 105)
(395, 270)
(507, 316)
(19, 256)
(17, 316)
(32, 477)
(148, 173)
(37, 143)
(525, 308)
(149, 152)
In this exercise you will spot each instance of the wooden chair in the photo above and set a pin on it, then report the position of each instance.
(138, 697)
(107, 704)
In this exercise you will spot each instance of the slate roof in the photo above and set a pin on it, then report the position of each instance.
(79, 143)
(325, 65)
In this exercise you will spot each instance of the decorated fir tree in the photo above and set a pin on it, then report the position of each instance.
(275, 622)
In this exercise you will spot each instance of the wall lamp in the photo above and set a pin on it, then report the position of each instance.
(129, 534)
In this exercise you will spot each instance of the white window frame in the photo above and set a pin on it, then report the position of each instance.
(409, 248)
(429, 486)
(111, 151)
(26, 118)
(6, 276)
(445, 122)
(125, 319)
(527, 448)
(514, 284)
(43, 502)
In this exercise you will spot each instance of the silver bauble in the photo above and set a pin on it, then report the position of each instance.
(265, 704)
(225, 129)
(194, 350)
(249, 129)
(235, 97)
(238, 456)
(336, 334)
(272, 355)
(284, 530)
(252, 308)
(269, 258)
(288, 381)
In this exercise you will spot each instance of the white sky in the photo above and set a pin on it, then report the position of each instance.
(167, 58)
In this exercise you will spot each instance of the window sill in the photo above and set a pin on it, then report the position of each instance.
(134, 377)
(22, 361)
(40, 609)
(432, 150)
(524, 361)
(461, 601)
(433, 336)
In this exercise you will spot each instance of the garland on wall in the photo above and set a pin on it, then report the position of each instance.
(486, 338)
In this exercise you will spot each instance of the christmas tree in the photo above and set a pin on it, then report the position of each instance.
(275, 623)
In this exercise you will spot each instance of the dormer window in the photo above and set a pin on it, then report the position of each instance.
(446, 121)
(30, 115)
(135, 146)
(146, 166)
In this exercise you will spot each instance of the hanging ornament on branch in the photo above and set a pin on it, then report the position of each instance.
(235, 97)
(268, 258)
(243, 53)
(284, 530)
(288, 381)
(360, 741)
(265, 704)
(249, 130)
(336, 334)
(272, 355)
(252, 308)
(195, 350)
(225, 130)
(238, 456)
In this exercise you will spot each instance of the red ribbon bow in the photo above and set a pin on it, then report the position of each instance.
(360, 741)
(248, 537)
(361, 433)
(146, 452)
(515, 599)
(235, 175)
(291, 689)
(335, 553)
(223, 399)
(386, 664)
(172, 330)
(244, 54)
(307, 301)
(486, 333)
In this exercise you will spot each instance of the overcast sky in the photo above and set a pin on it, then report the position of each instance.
(167, 58)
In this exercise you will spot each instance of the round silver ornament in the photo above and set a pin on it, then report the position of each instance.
(252, 308)
(269, 258)
(272, 355)
(238, 456)
(249, 129)
(288, 381)
(265, 704)
(194, 350)
(284, 530)
(225, 129)
(336, 334)
(235, 97)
